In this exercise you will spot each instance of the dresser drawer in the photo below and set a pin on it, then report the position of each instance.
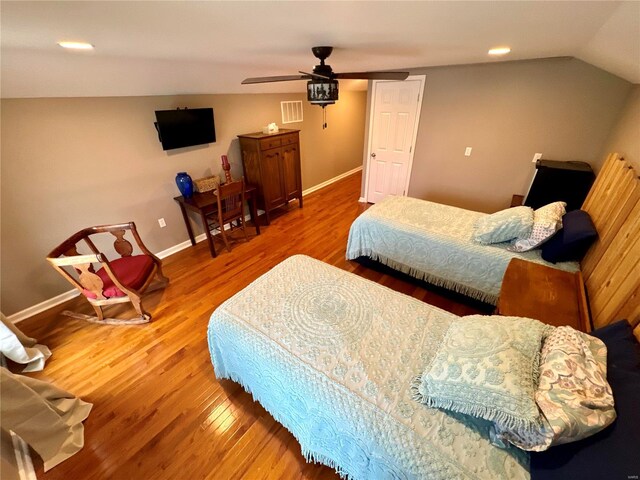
(267, 143)
(289, 139)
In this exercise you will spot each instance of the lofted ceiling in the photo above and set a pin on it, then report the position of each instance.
(181, 47)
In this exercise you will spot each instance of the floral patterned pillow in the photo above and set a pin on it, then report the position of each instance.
(547, 221)
(573, 394)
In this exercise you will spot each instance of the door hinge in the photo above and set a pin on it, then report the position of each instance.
(410, 148)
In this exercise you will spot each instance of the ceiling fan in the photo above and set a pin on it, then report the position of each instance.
(322, 85)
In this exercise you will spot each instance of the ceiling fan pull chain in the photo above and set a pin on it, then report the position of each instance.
(324, 117)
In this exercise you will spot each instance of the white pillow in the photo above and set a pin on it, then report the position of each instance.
(547, 221)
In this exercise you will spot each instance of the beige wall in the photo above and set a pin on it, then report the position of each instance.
(625, 137)
(68, 163)
(506, 112)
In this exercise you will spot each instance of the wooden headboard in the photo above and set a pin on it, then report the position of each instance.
(611, 268)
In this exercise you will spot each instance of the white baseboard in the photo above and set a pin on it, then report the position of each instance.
(180, 246)
(330, 181)
(63, 297)
(362, 200)
(42, 306)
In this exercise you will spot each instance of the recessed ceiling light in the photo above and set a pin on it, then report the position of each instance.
(499, 51)
(76, 45)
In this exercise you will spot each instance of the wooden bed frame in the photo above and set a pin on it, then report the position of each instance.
(611, 268)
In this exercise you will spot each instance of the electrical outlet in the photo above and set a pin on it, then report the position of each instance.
(162, 223)
(536, 157)
(467, 152)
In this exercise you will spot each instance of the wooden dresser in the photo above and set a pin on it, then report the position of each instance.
(271, 163)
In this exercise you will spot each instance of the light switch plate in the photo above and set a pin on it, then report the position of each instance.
(536, 157)
(467, 152)
(162, 223)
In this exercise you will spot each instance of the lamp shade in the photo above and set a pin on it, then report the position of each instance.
(322, 92)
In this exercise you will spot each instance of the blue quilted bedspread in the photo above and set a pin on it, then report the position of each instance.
(432, 242)
(332, 356)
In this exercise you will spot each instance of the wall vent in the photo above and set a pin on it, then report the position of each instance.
(291, 111)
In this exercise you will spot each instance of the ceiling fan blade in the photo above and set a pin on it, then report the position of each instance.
(372, 75)
(282, 78)
(317, 75)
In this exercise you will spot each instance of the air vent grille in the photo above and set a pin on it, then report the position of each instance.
(291, 111)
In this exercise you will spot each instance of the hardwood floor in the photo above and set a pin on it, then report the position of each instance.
(159, 412)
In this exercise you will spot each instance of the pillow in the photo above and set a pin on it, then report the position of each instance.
(486, 366)
(504, 225)
(546, 222)
(573, 394)
(573, 240)
(611, 453)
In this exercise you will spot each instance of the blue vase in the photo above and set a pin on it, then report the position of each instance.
(185, 184)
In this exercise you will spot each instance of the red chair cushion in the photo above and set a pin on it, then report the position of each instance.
(132, 272)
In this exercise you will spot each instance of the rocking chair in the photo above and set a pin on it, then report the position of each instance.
(116, 281)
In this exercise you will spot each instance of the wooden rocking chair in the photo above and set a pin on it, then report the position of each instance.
(117, 281)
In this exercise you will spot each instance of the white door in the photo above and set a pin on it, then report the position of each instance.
(394, 123)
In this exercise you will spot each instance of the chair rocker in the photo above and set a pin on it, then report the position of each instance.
(122, 280)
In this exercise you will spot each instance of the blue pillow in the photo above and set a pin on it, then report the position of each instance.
(626, 354)
(573, 240)
(611, 453)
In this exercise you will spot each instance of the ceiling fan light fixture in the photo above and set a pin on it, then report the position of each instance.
(322, 92)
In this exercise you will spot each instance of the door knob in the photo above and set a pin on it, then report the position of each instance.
(373, 155)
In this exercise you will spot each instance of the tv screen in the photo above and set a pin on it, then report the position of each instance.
(184, 128)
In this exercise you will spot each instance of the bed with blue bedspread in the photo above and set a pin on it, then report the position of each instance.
(432, 242)
(332, 357)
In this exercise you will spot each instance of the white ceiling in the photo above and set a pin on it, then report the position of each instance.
(161, 48)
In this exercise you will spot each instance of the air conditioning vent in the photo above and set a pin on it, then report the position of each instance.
(291, 111)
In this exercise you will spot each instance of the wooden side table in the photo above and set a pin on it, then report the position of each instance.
(547, 294)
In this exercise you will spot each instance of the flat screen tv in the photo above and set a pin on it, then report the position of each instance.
(185, 127)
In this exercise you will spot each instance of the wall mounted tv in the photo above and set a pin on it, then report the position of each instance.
(185, 127)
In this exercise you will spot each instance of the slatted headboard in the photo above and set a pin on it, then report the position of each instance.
(611, 268)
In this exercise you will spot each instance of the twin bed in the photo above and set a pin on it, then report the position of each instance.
(332, 356)
(432, 242)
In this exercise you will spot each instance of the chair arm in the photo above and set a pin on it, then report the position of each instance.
(87, 280)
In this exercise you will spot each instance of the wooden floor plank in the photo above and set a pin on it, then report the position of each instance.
(159, 412)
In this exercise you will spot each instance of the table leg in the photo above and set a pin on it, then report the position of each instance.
(207, 232)
(254, 213)
(187, 224)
